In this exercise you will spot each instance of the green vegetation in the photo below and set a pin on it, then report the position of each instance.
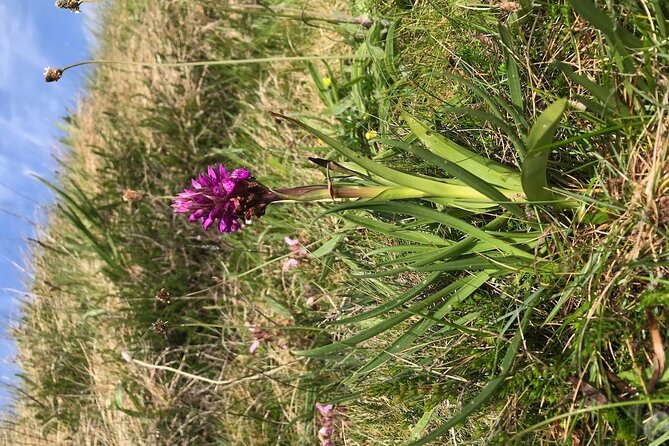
(507, 285)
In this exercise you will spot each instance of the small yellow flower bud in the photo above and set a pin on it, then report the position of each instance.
(371, 134)
(327, 82)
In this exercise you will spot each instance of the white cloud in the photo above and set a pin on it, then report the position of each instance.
(18, 46)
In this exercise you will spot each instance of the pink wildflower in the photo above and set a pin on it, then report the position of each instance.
(254, 346)
(325, 410)
(290, 263)
(259, 335)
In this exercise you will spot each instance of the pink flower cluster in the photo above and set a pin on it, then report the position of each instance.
(297, 250)
(259, 335)
(327, 424)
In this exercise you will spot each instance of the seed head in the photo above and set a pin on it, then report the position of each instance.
(52, 74)
(509, 6)
(72, 5)
(131, 195)
(163, 296)
(231, 198)
(159, 327)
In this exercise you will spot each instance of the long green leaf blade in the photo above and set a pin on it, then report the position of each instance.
(533, 172)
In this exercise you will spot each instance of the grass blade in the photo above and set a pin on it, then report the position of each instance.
(491, 388)
(511, 69)
(465, 288)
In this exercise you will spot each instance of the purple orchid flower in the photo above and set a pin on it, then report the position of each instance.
(230, 198)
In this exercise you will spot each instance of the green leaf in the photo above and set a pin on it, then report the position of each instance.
(492, 119)
(391, 304)
(611, 102)
(424, 238)
(619, 38)
(278, 307)
(329, 246)
(389, 56)
(533, 172)
(430, 186)
(511, 68)
(118, 402)
(376, 329)
(465, 288)
(443, 218)
(492, 387)
(422, 423)
(457, 171)
(486, 169)
(94, 313)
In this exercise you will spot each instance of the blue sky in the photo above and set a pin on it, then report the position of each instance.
(34, 34)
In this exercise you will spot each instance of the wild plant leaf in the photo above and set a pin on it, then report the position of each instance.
(491, 388)
(323, 91)
(389, 51)
(445, 219)
(611, 102)
(376, 329)
(422, 237)
(430, 186)
(486, 169)
(533, 172)
(477, 262)
(422, 423)
(618, 37)
(395, 302)
(440, 254)
(278, 307)
(460, 247)
(660, 17)
(512, 72)
(483, 115)
(329, 246)
(399, 248)
(358, 72)
(464, 288)
(495, 103)
(468, 178)
(118, 402)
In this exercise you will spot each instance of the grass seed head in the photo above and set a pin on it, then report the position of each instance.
(159, 326)
(163, 296)
(72, 5)
(52, 74)
(131, 195)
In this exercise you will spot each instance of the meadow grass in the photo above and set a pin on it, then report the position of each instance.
(531, 315)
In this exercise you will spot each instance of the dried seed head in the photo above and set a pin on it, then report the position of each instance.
(131, 195)
(52, 74)
(163, 296)
(159, 327)
(72, 5)
(509, 6)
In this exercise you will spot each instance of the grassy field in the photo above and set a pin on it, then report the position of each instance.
(503, 279)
